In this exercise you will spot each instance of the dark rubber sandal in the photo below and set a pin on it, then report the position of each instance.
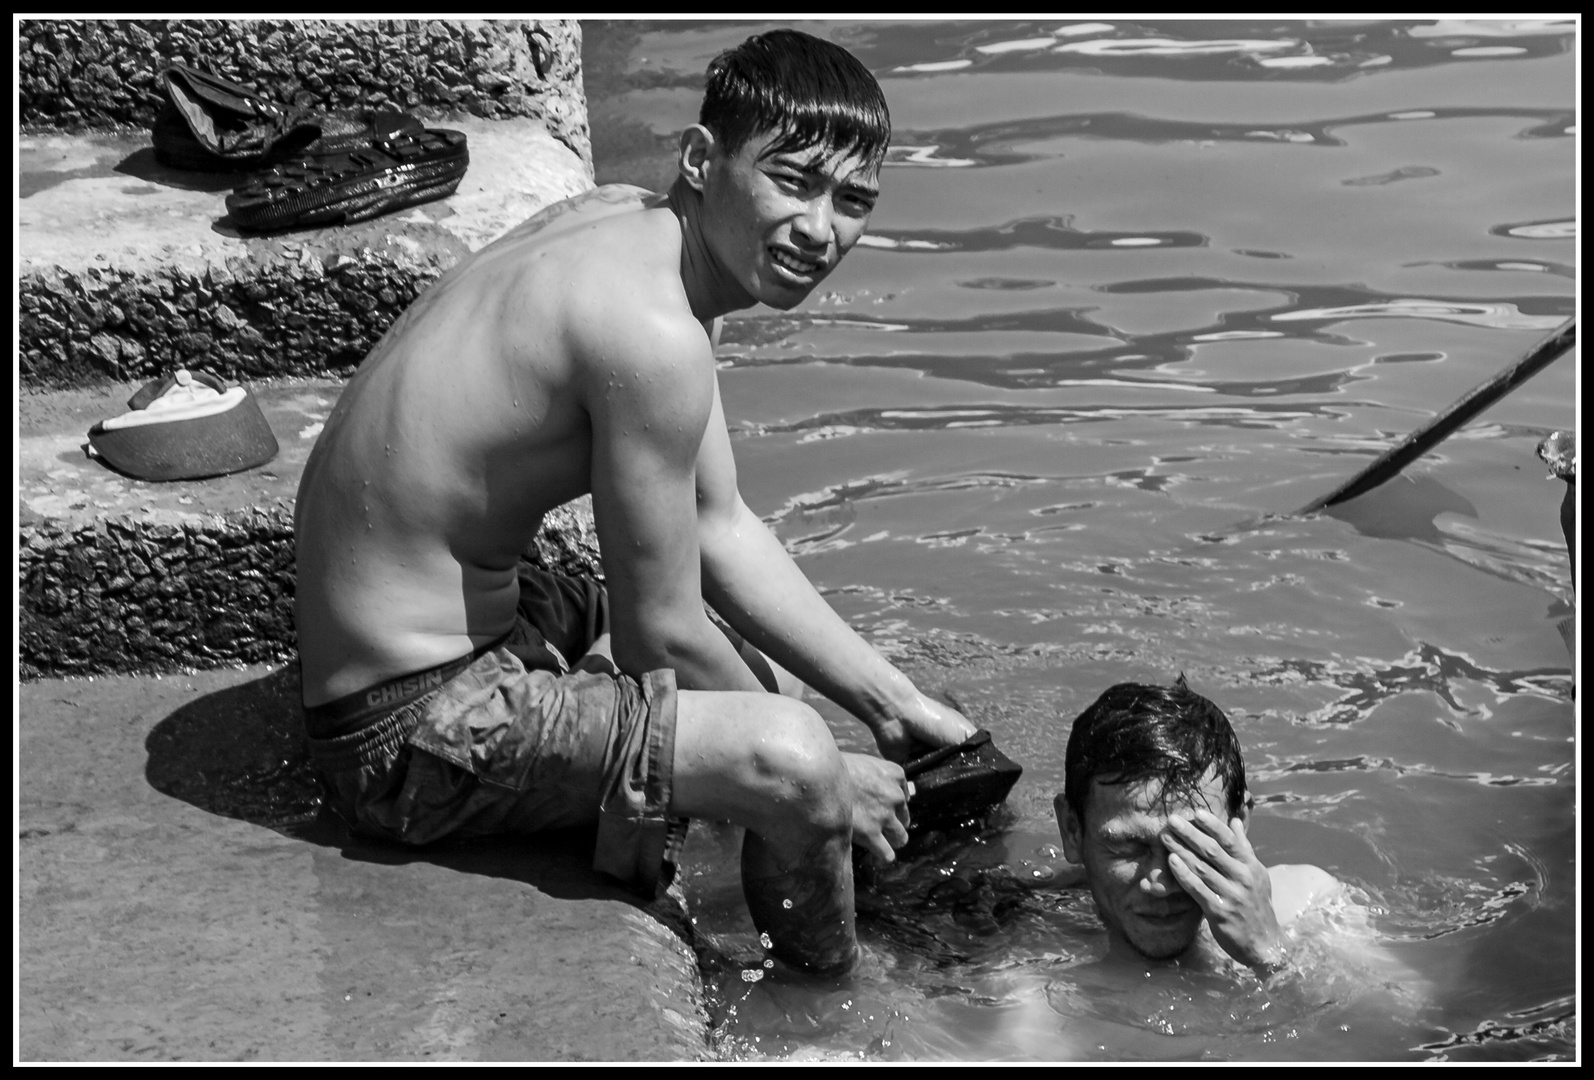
(343, 188)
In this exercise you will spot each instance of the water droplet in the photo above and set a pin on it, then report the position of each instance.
(764, 940)
(769, 963)
(786, 904)
(751, 975)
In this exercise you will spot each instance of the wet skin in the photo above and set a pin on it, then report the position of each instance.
(1160, 871)
(787, 220)
(575, 355)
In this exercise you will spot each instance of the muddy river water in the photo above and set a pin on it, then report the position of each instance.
(1135, 292)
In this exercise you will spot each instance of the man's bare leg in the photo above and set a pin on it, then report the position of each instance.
(769, 764)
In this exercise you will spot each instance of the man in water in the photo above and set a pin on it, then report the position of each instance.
(453, 690)
(1155, 807)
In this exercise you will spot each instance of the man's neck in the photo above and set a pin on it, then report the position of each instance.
(1202, 955)
(710, 292)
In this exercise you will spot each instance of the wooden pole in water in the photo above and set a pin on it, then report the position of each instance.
(1470, 404)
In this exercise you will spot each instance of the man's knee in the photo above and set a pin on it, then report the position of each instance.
(759, 760)
(797, 763)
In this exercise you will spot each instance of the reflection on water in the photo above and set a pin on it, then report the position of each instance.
(1136, 291)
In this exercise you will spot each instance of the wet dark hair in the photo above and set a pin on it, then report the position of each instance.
(811, 92)
(1136, 732)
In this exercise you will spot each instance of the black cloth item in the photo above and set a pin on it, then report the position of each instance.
(953, 783)
(211, 124)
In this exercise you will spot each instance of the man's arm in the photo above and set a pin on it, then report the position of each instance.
(648, 386)
(649, 401)
(752, 582)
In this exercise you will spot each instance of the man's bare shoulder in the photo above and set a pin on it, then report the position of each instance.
(598, 275)
(1297, 886)
(600, 202)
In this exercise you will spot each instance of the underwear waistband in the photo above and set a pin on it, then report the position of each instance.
(352, 713)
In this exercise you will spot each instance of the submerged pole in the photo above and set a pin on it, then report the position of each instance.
(1470, 404)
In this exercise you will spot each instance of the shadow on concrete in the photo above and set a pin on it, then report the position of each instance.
(142, 165)
(241, 753)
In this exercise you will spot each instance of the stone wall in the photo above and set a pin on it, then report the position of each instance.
(87, 74)
(140, 594)
(281, 310)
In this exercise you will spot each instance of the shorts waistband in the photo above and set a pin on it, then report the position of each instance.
(365, 747)
(352, 713)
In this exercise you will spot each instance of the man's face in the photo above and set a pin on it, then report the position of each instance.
(1120, 845)
(779, 223)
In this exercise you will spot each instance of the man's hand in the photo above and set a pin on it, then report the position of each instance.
(924, 724)
(1214, 863)
(879, 804)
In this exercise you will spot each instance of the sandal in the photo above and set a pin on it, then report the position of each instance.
(342, 188)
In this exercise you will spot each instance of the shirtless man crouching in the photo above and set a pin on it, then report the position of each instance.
(453, 690)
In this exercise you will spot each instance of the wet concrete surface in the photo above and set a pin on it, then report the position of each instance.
(182, 895)
(60, 482)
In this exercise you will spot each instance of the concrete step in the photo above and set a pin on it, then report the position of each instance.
(128, 269)
(121, 575)
(180, 897)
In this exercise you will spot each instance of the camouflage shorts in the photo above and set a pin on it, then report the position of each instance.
(515, 740)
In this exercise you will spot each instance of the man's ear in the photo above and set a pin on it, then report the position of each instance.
(1245, 813)
(697, 147)
(1072, 831)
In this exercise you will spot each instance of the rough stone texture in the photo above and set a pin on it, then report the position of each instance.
(119, 575)
(128, 269)
(87, 74)
(181, 896)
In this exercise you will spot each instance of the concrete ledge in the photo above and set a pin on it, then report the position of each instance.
(87, 74)
(119, 575)
(180, 897)
(129, 269)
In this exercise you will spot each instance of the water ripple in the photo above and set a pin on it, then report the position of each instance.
(1369, 683)
(999, 142)
(1054, 232)
(1553, 1022)
(1499, 316)
(1362, 763)
(1313, 313)
(942, 418)
(1549, 229)
(1315, 50)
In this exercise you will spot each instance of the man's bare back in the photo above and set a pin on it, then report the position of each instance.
(461, 430)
